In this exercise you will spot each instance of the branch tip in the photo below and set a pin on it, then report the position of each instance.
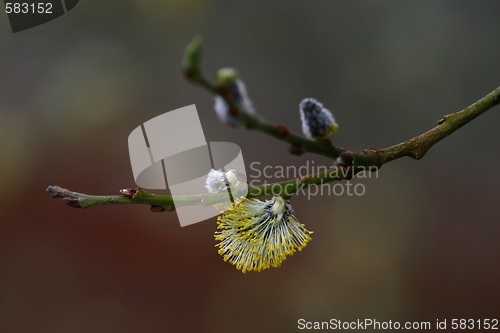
(191, 60)
(55, 191)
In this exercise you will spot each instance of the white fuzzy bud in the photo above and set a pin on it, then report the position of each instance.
(215, 182)
(218, 181)
(240, 96)
(318, 122)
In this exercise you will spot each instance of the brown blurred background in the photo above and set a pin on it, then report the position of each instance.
(421, 244)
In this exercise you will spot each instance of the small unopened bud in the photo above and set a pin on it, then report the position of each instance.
(318, 122)
(226, 77)
(233, 88)
(157, 209)
(191, 60)
(296, 150)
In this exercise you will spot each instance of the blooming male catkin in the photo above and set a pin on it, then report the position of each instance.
(255, 235)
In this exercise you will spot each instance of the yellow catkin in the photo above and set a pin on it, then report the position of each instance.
(255, 235)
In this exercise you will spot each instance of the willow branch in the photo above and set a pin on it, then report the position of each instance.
(127, 197)
(415, 147)
(418, 146)
(350, 162)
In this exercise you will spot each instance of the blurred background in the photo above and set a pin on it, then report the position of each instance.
(421, 244)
